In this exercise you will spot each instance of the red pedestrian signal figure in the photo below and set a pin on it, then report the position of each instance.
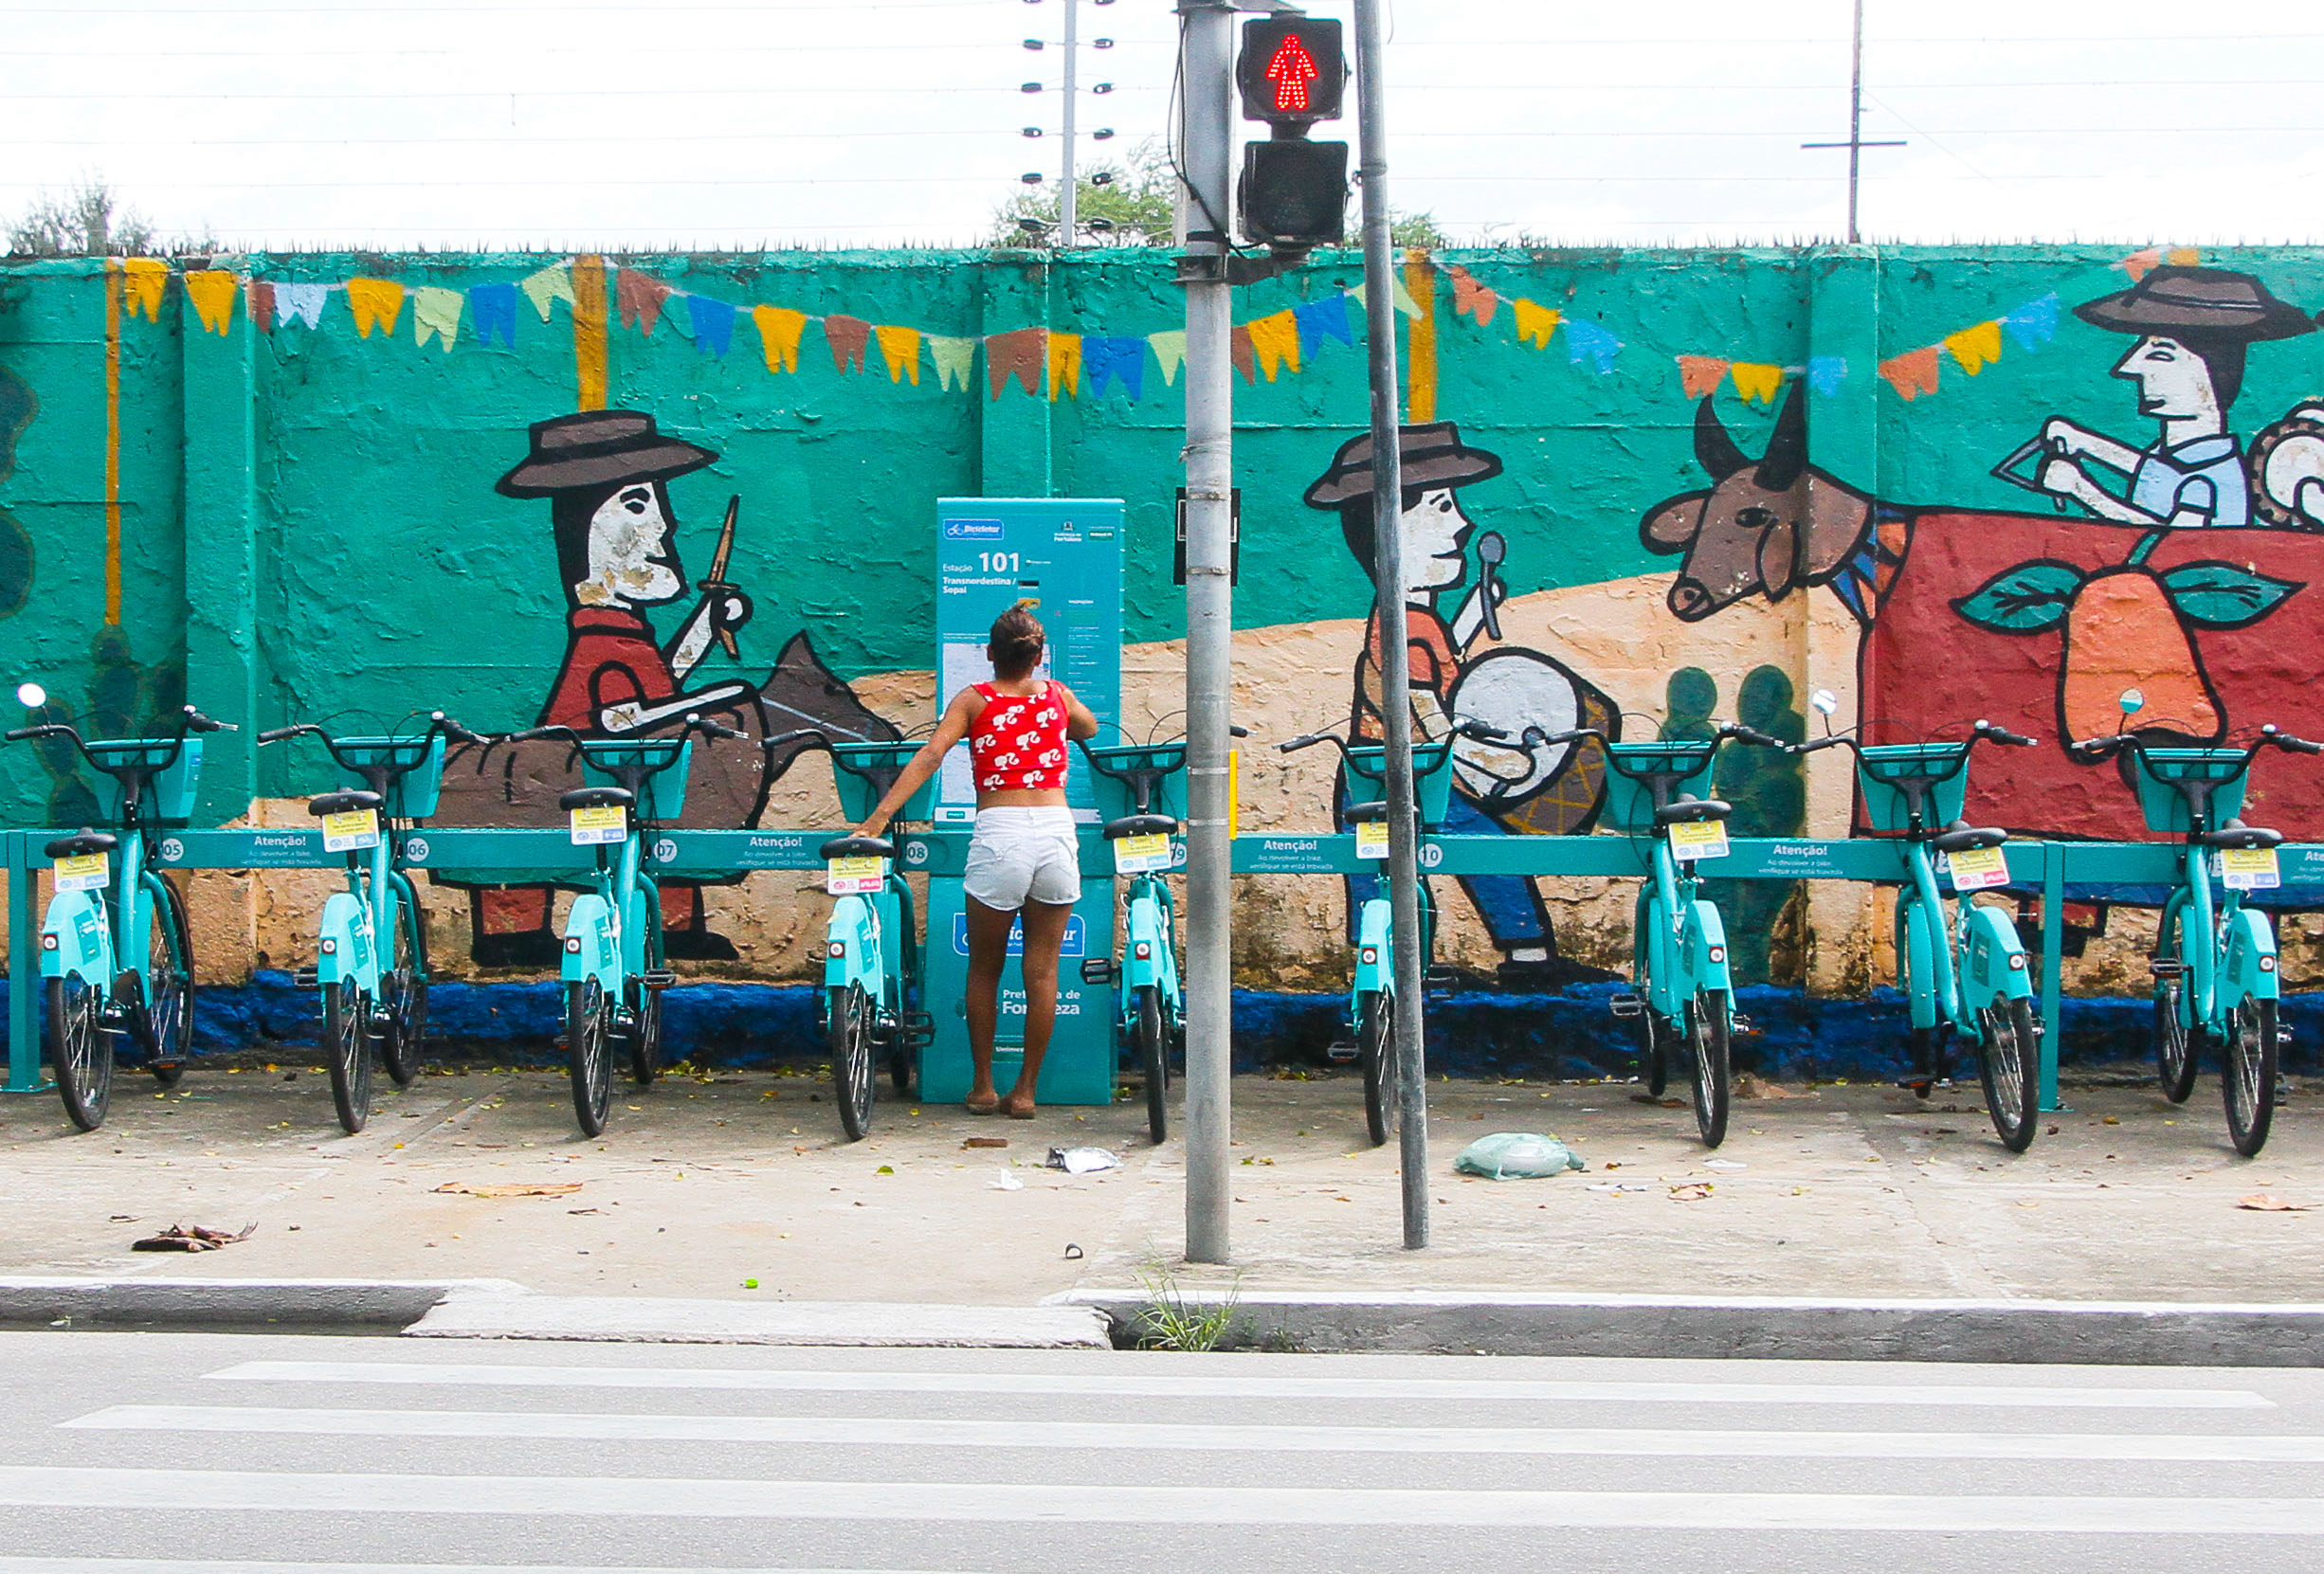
(1291, 70)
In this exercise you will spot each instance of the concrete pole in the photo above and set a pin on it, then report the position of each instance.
(1387, 600)
(1068, 215)
(1206, 69)
(1856, 114)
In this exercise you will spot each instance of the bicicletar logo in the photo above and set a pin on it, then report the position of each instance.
(974, 530)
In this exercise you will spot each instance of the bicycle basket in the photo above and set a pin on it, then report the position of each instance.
(1431, 777)
(2165, 805)
(169, 799)
(662, 795)
(865, 771)
(1116, 798)
(1881, 766)
(1630, 802)
(418, 781)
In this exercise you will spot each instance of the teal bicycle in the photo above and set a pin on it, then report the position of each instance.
(117, 954)
(371, 959)
(613, 967)
(1978, 986)
(2216, 978)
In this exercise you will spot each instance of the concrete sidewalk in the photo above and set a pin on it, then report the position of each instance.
(702, 1187)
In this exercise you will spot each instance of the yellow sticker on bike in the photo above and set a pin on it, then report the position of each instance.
(351, 832)
(1698, 839)
(1141, 855)
(1974, 868)
(83, 872)
(607, 824)
(1372, 839)
(854, 876)
(2248, 869)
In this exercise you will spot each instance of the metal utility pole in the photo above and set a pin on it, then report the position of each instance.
(1068, 201)
(1387, 602)
(1206, 71)
(1856, 143)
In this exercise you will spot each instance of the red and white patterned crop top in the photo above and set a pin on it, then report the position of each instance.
(1017, 743)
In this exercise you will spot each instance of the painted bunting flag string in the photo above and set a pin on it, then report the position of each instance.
(1918, 371)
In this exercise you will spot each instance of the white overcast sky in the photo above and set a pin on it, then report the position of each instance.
(513, 123)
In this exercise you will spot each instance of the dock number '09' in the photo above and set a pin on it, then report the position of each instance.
(998, 563)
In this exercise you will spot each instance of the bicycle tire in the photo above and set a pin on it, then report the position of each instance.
(80, 1050)
(1154, 1057)
(2009, 1064)
(165, 1023)
(1707, 1070)
(848, 1036)
(644, 1034)
(899, 1066)
(347, 1050)
(2178, 1042)
(1653, 1054)
(1653, 1038)
(2247, 1073)
(402, 992)
(1375, 1037)
(588, 1056)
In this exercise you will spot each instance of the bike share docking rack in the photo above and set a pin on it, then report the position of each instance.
(2057, 872)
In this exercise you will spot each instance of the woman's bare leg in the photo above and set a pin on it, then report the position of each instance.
(1045, 935)
(987, 954)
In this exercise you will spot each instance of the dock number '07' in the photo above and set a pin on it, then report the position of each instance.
(997, 563)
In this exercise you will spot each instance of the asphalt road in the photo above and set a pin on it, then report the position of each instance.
(128, 1452)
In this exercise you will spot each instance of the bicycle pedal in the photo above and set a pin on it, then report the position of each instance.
(2166, 966)
(1627, 1005)
(1341, 1053)
(917, 1030)
(306, 978)
(658, 977)
(1440, 978)
(1738, 1022)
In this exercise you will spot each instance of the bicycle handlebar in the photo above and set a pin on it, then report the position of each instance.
(189, 720)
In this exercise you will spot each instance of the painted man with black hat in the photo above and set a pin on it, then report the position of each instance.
(2194, 326)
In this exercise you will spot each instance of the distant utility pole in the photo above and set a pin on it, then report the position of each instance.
(1068, 210)
(1856, 143)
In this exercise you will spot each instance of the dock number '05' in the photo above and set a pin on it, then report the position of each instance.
(997, 563)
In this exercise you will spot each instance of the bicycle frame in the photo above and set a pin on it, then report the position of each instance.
(1685, 952)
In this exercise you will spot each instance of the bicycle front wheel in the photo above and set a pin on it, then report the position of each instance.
(2010, 1062)
(1706, 1042)
(347, 1045)
(80, 1049)
(644, 1034)
(589, 1054)
(849, 1032)
(2178, 1043)
(2247, 1073)
(402, 992)
(167, 1022)
(1375, 1038)
(1153, 1056)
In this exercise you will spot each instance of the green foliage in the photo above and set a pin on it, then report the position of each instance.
(88, 220)
(1170, 1321)
(1137, 199)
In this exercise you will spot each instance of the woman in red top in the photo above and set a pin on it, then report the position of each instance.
(1023, 861)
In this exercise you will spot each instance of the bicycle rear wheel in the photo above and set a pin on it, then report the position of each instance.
(2247, 1073)
(1706, 1042)
(347, 1048)
(644, 1034)
(166, 1024)
(589, 1054)
(2010, 1062)
(403, 990)
(1154, 1056)
(848, 1033)
(1375, 1038)
(2178, 1042)
(80, 1050)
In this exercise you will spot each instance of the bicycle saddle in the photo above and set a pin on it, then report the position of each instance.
(1139, 824)
(1364, 814)
(343, 803)
(1960, 836)
(81, 844)
(597, 798)
(858, 846)
(2236, 834)
(1693, 809)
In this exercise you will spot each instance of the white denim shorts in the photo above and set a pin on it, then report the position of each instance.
(1024, 854)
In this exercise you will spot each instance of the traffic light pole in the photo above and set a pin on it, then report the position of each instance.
(1395, 671)
(1207, 72)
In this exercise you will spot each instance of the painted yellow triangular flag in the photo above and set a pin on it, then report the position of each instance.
(436, 310)
(212, 290)
(1064, 365)
(901, 346)
(551, 283)
(374, 301)
(955, 359)
(779, 328)
(2184, 257)
(1535, 324)
(1975, 347)
(145, 278)
(1169, 349)
(1275, 340)
(1754, 380)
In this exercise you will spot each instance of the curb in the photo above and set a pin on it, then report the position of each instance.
(2131, 1333)
(378, 1305)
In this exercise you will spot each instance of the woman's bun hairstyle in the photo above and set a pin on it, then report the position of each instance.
(1016, 644)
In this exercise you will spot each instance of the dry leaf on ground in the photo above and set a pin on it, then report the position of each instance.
(181, 1238)
(2264, 1202)
(531, 1189)
(986, 1142)
(1666, 1103)
(1694, 1193)
(1751, 1086)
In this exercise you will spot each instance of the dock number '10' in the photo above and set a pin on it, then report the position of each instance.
(997, 563)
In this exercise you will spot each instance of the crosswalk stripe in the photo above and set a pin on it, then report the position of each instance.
(1117, 1382)
(911, 1432)
(80, 1490)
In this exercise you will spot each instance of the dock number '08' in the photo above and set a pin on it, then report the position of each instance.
(998, 563)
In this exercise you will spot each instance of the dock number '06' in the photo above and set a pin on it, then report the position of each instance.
(997, 563)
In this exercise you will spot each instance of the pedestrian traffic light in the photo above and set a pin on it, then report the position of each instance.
(1293, 72)
(1295, 193)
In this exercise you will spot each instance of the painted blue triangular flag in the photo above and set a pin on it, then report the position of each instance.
(1826, 373)
(1322, 320)
(1588, 339)
(1114, 359)
(493, 309)
(2036, 323)
(713, 322)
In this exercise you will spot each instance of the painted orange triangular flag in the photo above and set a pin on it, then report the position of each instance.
(1276, 340)
(2140, 263)
(1913, 372)
(1238, 347)
(1698, 374)
(778, 335)
(1021, 353)
(640, 297)
(1470, 299)
(1975, 347)
(847, 336)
